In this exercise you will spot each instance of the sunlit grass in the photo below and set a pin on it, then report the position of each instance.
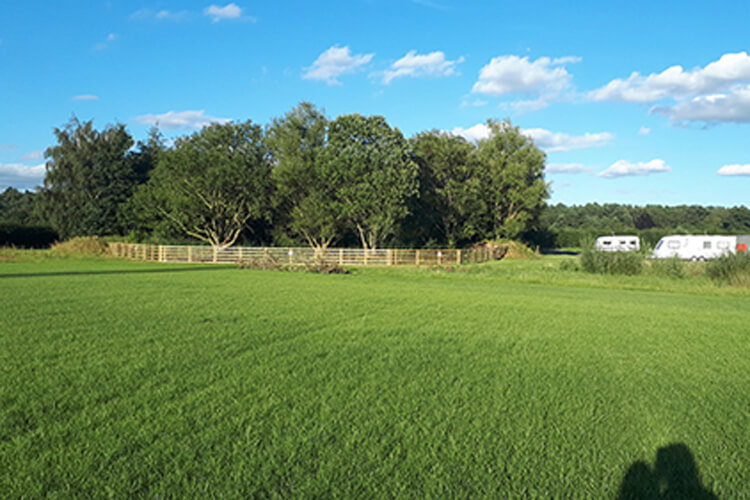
(509, 379)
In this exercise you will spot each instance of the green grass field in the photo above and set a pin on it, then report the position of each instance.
(515, 379)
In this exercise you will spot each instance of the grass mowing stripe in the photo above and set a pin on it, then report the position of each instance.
(185, 382)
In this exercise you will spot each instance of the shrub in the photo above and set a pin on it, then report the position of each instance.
(569, 265)
(594, 261)
(671, 268)
(82, 245)
(268, 263)
(731, 268)
(508, 249)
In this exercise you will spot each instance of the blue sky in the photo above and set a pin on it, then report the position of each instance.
(634, 102)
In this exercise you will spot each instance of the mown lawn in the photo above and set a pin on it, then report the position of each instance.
(131, 379)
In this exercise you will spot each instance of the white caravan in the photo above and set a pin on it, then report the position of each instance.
(704, 247)
(617, 243)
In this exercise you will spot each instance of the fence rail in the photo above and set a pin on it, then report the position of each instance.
(303, 255)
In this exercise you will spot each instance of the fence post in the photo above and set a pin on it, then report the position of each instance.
(291, 255)
(390, 257)
(366, 250)
(440, 257)
(215, 251)
(240, 254)
(341, 256)
(458, 257)
(417, 257)
(190, 254)
(395, 256)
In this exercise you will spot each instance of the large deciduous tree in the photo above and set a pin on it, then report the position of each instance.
(371, 166)
(451, 194)
(89, 176)
(304, 192)
(210, 184)
(512, 171)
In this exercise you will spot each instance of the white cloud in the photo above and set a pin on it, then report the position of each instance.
(334, 62)
(552, 142)
(229, 11)
(732, 106)
(180, 120)
(475, 133)
(625, 168)
(733, 170)
(566, 168)
(555, 142)
(644, 131)
(32, 156)
(21, 176)
(545, 78)
(676, 83)
(86, 97)
(413, 64)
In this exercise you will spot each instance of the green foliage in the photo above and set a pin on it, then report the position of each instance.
(20, 208)
(165, 380)
(450, 195)
(595, 261)
(671, 268)
(23, 236)
(564, 226)
(511, 169)
(369, 164)
(210, 185)
(304, 191)
(570, 265)
(89, 176)
(730, 268)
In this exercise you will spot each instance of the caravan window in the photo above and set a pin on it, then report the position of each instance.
(706, 244)
(658, 245)
(674, 244)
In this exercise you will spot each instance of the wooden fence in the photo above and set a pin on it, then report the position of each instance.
(304, 255)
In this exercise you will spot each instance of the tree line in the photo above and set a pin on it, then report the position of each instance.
(303, 178)
(308, 179)
(566, 226)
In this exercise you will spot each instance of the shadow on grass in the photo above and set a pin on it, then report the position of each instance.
(674, 476)
(114, 271)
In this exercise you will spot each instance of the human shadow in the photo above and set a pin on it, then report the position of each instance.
(674, 476)
(210, 267)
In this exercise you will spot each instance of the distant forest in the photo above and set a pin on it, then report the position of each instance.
(566, 226)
